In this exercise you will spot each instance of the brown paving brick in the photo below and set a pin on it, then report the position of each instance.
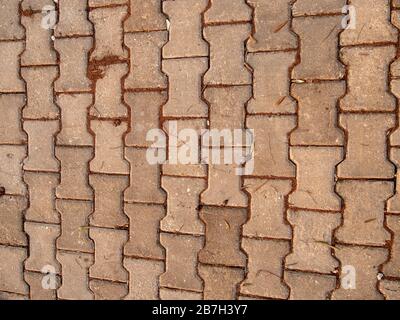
(74, 225)
(227, 11)
(317, 116)
(182, 205)
(41, 197)
(73, 64)
(103, 3)
(40, 148)
(9, 25)
(75, 276)
(368, 69)
(318, 34)
(271, 82)
(105, 290)
(366, 262)
(108, 32)
(185, 33)
(365, 216)
(145, 116)
(11, 158)
(42, 245)
(171, 294)
(36, 290)
(109, 150)
(144, 222)
(74, 165)
(272, 26)
(390, 289)
(308, 286)
(145, 54)
(145, 16)
(267, 211)
(393, 204)
(312, 241)
(108, 206)
(366, 146)
(72, 19)
(12, 296)
(108, 101)
(392, 268)
(35, 4)
(184, 77)
(10, 127)
(146, 189)
(144, 274)
(265, 268)
(373, 24)
(222, 244)
(38, 50)
(11, 81)
(271, 146)
(315, 178)
(11, 279)
(220, 283)
(73, 116)
(108, 254)
(181, 262)
(40, 103)
(310, 7)
(227, 65)
(11, 217)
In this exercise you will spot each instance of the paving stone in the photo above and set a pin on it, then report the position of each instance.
(317, 114)
(11, 158)
(390, 289)
(185, 36)
(312, 241)
(223, 229)
(182, 205)
(41, 188)
(309, 7)
(144, 275)
(171, 294)
(74, 226)
(36, 289)
(364, 212)
(74, 128)
(105, 290)
(373, 24)
(145, 16)
(42, 246)
(267, 208)
(11, 279)
(12, 296)
(73, 64)
(393, 204)
(11, 128)
(271, 83)
(146, 48)
(265, 266)
(271, 135)
(392, 269)
(9, 64)
(220, 283)
(105, 3)
(75, 278)
(11, 217)
(72, 19)
(144, 222)
(108, 254)
(227, 62)
(185, 77)
(366, 262)
(366, 154)
(10, 27)
(109, 150)
(108, 204)
(145, 116)
(35, 5)
(367, 79)
(74, 167)
(319, 48)
(308, 286)
(227, 11)
(315, 178)
(272, 26)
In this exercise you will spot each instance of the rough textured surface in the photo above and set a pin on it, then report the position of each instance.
(85, 215)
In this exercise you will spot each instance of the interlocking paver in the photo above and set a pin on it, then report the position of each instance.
(10, 128)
